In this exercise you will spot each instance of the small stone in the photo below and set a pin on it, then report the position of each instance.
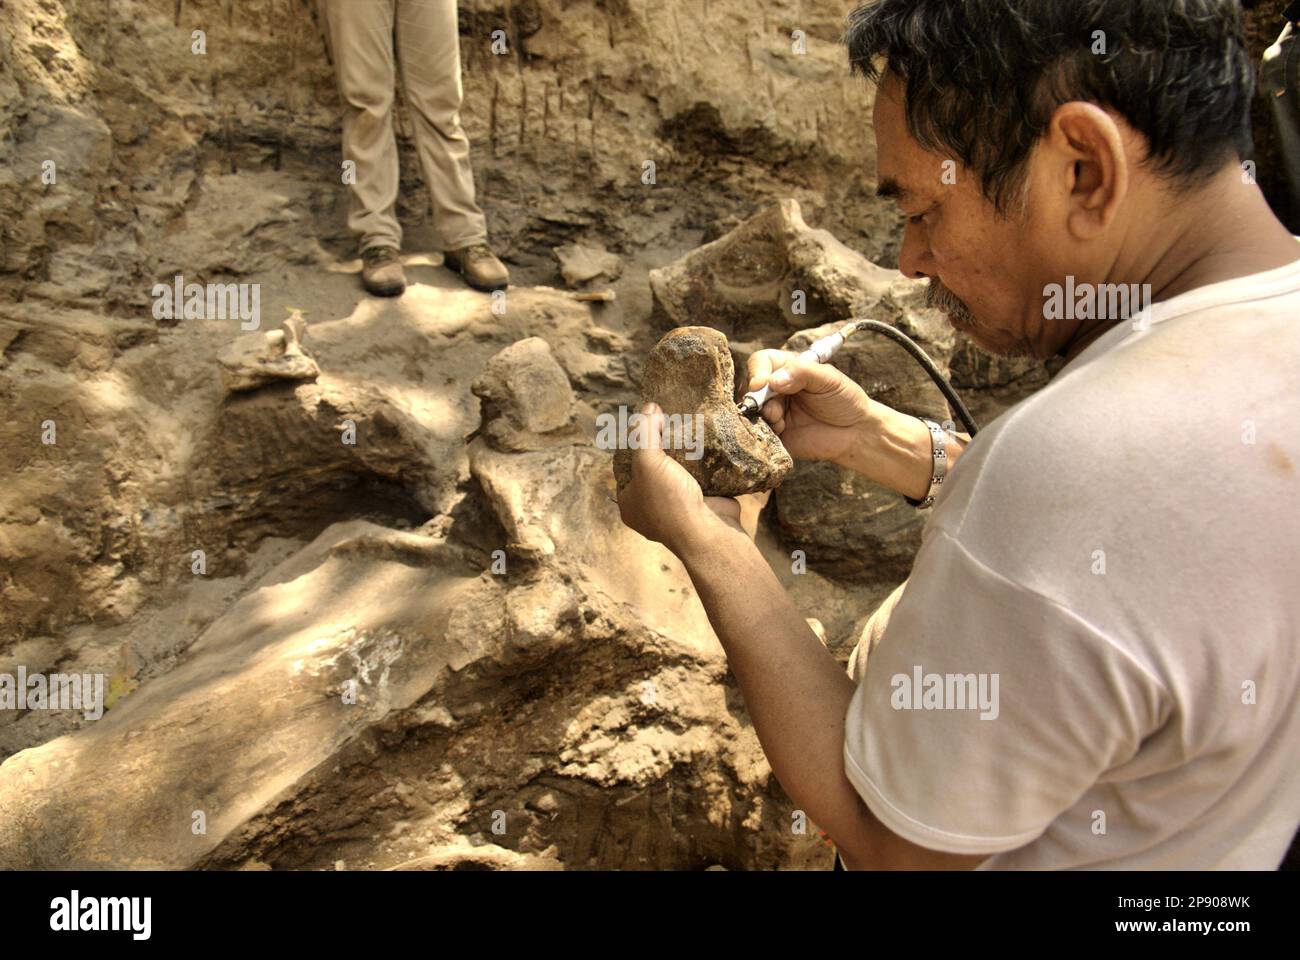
(594, 296)
(544, 802)
(540, 616)
(690, 372)
(527, 399)
(580, 263)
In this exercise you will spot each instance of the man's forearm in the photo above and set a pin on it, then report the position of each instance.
(796, 693)
(893, 449)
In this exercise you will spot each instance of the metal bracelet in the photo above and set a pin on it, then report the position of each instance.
(939, 464)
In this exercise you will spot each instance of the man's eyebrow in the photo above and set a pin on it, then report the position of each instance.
(891, 189)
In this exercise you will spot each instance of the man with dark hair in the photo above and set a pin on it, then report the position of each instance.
(1094, 662)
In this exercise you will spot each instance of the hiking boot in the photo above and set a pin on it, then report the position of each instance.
(381, 272)
(479, 266)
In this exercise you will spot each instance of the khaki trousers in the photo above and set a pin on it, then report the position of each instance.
(367, 39)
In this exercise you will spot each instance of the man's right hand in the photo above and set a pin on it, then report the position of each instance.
(816, 410)
(820, 414)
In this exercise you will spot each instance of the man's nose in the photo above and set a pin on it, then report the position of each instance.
(914, 256)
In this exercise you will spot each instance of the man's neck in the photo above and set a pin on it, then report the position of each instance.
(1222, 232)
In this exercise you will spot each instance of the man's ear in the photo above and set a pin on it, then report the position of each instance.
(1094, 164)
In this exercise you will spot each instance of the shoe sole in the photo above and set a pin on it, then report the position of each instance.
(487, 287)
(394, 291)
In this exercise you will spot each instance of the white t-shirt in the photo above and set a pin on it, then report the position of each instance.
(1120, 555)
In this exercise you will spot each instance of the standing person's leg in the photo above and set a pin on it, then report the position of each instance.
(360, 37)
(428, 47)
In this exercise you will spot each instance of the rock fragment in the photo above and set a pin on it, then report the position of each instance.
(850, 528)
(771, 272)
(582, 263)
(690, 375)
(527, 400)
(257, 359)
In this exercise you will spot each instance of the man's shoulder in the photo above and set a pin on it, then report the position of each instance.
(1055, 448)
(1168, 445)
(1154, 400)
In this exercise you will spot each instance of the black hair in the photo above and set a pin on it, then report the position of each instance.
(982, 78)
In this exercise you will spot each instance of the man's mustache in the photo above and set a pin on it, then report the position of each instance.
(962, 319)
(939, 297)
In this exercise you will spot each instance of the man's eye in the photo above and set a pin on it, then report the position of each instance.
(918, 218)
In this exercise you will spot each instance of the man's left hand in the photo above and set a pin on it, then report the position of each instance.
(664, 503)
